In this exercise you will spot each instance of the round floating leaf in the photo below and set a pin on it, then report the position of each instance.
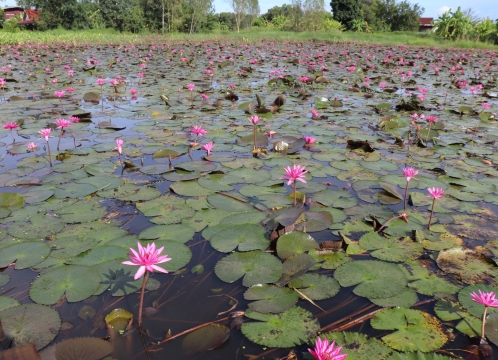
(74, 191)
(294, 267)
(359, 346)
(4, 279)
(85, 210)
(77, 282)
(315, 221)
(330, 259)
(417, 356)
(7, 302)
(156, 169)
(431, 284)
(316, 286)
(491, 328)
(36, 227)
(203, 218)
(82, 348)
(30, 322)
(228, 203)
(447, 310)
(294, 243)
(206, 338)
(86, 312)
(473, 307)
(375, 279)
(167, 209)
(270, 298)
(11, 201)
(247, 217)
(102, 182)
(257, 267)
(181, 175)
(100, 255)
(25, 254)
(189, 188)
(165, 153)
(37, 196)
(415, 330)
(131, 192)
(219, 182)
(245, 237)
(103, 168)
(468, 264)
(335, 198)
(199, 166)
(290, 328)
(405, 299)
(390, 249)
(180, 233)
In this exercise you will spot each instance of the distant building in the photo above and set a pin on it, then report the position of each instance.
(28, 16)
(426, 24)
(12, 11)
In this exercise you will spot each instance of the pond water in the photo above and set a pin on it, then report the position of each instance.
(270, 275)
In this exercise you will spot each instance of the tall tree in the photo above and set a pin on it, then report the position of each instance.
(399, 16)
(314, 14)
(346, 11)
(239, 8)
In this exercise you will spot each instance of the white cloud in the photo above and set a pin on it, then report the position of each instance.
(443, 9)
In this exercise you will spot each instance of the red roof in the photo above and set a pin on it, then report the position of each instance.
(426, 21)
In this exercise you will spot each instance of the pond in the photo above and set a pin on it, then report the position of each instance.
(299, 189)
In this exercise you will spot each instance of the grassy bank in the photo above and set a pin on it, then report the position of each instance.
(252, 36)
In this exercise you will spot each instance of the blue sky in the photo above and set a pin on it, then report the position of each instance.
(433, 8)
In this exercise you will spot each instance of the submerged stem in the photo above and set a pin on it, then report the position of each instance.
(406, 195)
(432, 212)
(294, 193)
(483, 321)
(49, 154)
(254, 132)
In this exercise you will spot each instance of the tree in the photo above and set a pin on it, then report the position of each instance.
(240, 8)
(346, 11)
(399, 16)
(314, 14)
(199, 10)
(276, 11)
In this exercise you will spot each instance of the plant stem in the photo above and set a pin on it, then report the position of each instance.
(254, 132)
(483, 321)
(140, 305)
(60, 99)
(406, 195)
(102, 96)
(294, 193)
(432, 212)
(59, 141)
(428, 132)
(49, 154)
(13, 138)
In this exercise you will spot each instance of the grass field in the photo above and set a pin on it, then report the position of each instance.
(251, 36)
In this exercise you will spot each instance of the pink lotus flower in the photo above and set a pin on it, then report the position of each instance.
(304, 79)
(70, 89)
(254, 119)
(314, 114)
(74, 119)
(208, 147)
(62, 123)
(59, 94)
(296, 172)
(100, 81)
(271, 133)
(486, 105)
(45, 133)
(435, 193)
(414, 116)
(31, 146)
(70, 73)
(11, 126)
(204, 96)
(324, 351)
(147, 258)
(432, 118)
(409, 173)
(309, 139)
(119, 147)
(133, 92)
(191, 87)
(487, 299)
(198, 130)
(382, 84)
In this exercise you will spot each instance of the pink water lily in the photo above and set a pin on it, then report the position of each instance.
(59, 94)
(11, 126)
(198, 130)
(488, 300)
(191, 87)
(325, 351)
(147, 258)
(409, 173)
(100, 81)
(314, 114)
(309, 140)
(119, 147)
(62, 123)
(46, 134)
(208, 147)
(293, 174)
(254, 119)
(32, 147)
(435, 194)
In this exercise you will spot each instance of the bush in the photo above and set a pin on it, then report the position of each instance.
(11, 26)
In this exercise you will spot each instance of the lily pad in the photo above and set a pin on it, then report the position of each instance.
(415, 330)
(24, 254)
(245, 237)
(205, 338)
(294, 243)
(316, 286)
(290, 328)
(270, 298)
(257, 267)
(359, 346)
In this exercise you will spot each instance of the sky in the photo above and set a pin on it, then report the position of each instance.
(433, 8)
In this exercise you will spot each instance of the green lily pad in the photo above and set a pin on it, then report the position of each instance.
(36, 227)
(11, 201)
(415, 330)
(417, 356)
(85, 210)
(290, 328)
(7, 302)
(390, 249)
(330, 259)
(405, 299)
(74, 190)
(208, 217)
(131, 192)
(257, 267)
(180, 233)
(335, 198)
(375, 279)
(316, 286)
(359, 346)
(189, 188)
(25, 254)
(270, 298)
(75, 281)
(474, 308)
(229, 203)
(82, 348)
(245, 237)
(30, 322)
(205, 338)
(294, 243)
